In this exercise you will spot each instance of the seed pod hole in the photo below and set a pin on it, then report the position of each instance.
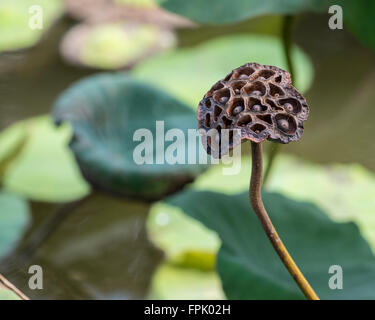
(237, 86)
(291, 105)
(275, 90)
(207, 121)
(286, 123)
(266, 74)
(243, 73)
(222, 96)
(236, 106)
(258, 128)
(256, 89)
(244, 120)
(208, 103)
(265, 117)
(227, 122)
(217, 112)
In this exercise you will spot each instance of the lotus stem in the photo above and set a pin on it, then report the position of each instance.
(10, 286)
(258, 206)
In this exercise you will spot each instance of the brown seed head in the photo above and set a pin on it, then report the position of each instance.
(259, 100)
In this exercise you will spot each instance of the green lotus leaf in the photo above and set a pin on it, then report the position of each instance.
(14, 218)
(344, 191)
(106, 111)
(359, 16)
(44, 169)
(16, 17)
(190, 73)
(315, 242)
(113, 45)
(229, 11)
(174, 283)
(6, 294)
(185, 241)
(12, 142)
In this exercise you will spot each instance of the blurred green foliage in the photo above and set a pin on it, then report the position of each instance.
(14, 218)
(110, 46)
(190, 73)
(44, 169)
(358, 14)
(15, 32)
(229, 11)
(6, 294)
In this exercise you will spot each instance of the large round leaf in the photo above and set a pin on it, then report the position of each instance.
(190, 73)
(228, 11)
(45, 169)
(344, 191)
(105, 112)
(315, 242)
(17, 16)
(14, 218)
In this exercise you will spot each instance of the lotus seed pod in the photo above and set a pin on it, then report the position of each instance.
(259, 100)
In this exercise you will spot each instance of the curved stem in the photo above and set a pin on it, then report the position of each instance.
(10, 286)
(287, 37)
(257, 205)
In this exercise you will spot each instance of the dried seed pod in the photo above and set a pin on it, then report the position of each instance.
(259, 100)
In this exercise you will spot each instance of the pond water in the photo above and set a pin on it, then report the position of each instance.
(102, 253)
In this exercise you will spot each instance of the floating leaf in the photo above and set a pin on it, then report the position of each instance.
(315, 242)
(12, 142)
(6, 294)
(190, 73)
(185, 241)
(229, 11)
(174, 283)
(16, 17)
(113, 45)
(105, 112)
(45, 169)
(14, 218)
